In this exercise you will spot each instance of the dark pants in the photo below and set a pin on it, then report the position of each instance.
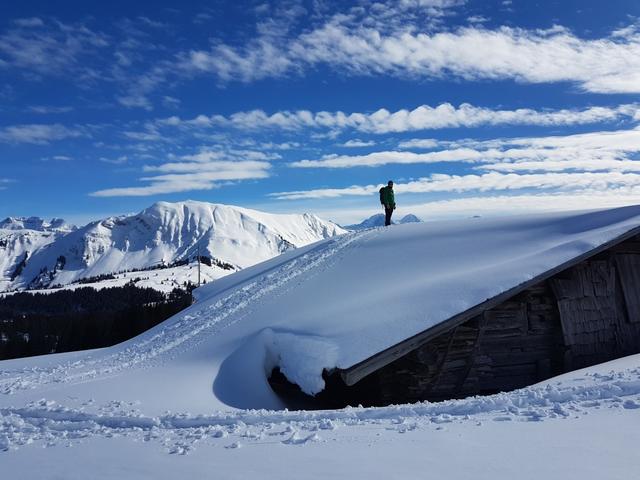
(387, 216)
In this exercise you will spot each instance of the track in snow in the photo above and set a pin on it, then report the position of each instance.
(50, 424)
(186, 329)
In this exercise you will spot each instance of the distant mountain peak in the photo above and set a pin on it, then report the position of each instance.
(410, 218)
(377, 220)
(37, 224)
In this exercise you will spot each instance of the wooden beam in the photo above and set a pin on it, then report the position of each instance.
(357, 372)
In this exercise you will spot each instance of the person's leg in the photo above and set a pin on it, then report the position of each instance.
(387, 217)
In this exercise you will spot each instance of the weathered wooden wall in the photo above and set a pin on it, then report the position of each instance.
(515, 344)
(587, 314)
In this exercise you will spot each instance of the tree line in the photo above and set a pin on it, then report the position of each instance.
(67, 320)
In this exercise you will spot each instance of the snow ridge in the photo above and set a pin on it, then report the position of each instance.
(574, 396)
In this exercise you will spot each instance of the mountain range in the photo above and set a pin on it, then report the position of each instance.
(39, 254)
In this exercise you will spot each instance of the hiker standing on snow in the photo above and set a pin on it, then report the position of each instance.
(388, 200)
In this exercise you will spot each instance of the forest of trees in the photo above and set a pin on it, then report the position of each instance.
(38, 323)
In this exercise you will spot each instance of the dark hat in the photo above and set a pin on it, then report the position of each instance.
(390, 182)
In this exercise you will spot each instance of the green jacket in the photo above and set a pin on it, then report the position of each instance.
(388, 198)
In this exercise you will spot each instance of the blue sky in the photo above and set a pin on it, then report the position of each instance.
(472, 107)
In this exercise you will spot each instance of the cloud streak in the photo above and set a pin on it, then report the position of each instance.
(56, 49)
(424, 117)
(494, 181)
(39, 134)
(202, 171)
(604, 146)
(596, 161)
(604, 65)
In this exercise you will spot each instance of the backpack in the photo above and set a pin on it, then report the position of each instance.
(382, 195)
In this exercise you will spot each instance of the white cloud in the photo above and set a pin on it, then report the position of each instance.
(423, 117)
(429, 4)
(202, 171)
(48, 109)
(423, 143)
(355, 143)
(38, 133)
(494, 181)
(170, 102)
(121, 160)
(477, 19)
(135, 100)
(29, 22)
(605, 146)
(150, 136)
(597, 161)
(527, 204)
(55, 50)
(346, 42)
(585, 165)
(278, 146)
(259, 60)
(377, 159)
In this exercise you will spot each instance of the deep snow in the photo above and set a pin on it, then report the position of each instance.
(582, 425)
(181, 384)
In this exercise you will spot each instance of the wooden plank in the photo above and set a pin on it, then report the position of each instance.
(629, 272)
(628, 247)
(500, 319)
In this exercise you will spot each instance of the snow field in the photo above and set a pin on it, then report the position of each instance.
(574, 396)
(163, 280)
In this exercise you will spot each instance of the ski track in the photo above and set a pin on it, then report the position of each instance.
(46, 423)
(189, 329)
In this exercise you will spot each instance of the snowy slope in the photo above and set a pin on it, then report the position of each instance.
(163, 279)
(169, 232)
(178, 387)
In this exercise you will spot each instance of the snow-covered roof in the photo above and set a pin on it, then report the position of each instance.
(328, 305)
(357, 295)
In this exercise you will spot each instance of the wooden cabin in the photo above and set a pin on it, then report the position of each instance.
(583, 312)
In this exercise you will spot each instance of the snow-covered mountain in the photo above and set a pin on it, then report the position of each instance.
(20, 237)
(36, 223)
(410, 218)
(162, 234)
(377, 220)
